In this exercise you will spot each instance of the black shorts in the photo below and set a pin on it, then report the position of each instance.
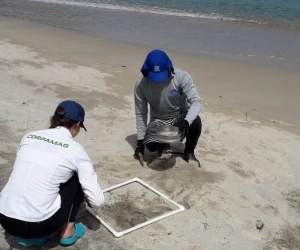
(71, 197)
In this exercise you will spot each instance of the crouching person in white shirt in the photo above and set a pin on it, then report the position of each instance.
(52, 175)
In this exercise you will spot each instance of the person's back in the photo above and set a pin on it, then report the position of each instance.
(51, 175)
(45, 159)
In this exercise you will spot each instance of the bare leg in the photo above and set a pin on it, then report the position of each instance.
(68, 230)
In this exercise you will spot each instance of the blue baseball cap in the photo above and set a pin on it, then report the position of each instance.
(156, 66)
(73, 111)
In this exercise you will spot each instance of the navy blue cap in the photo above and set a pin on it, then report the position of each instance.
(157, 65)
(73, 111)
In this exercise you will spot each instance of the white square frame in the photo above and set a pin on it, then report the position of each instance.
(119, 234)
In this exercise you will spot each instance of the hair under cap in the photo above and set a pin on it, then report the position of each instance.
(73, 111)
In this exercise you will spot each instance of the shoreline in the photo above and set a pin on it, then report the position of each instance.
(220, 40)
(185, 13)
(265, 93)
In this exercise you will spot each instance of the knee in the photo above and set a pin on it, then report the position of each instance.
(152, 146)
(197, 122)
(196, 126)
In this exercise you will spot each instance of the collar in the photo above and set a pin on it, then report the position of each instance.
(65, 131)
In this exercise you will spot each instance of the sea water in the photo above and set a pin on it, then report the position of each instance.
(265, 32)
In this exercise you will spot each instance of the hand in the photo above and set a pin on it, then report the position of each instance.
(139, 148)
(87, 201)
(183, 128)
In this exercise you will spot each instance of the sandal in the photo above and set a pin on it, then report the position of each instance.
(31, 242)
(79, 232)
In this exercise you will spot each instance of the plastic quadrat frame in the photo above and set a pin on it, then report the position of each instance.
(119, 234)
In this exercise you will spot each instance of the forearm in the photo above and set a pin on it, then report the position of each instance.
(141, 124)
(193, 111)
(193, 98)
(91, 188)
(88, 179)
(141, 112)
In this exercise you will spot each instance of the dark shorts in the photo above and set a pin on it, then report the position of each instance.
(71, 197)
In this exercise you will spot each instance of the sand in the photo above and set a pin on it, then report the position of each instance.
(132, 205)
(250, 163)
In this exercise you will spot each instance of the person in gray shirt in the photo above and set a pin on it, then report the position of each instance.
(173, 100)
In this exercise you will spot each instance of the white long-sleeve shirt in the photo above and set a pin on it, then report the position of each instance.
(46, 159)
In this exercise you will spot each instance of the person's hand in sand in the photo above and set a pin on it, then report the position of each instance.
(51, 176)
(173, 100)
(139, 151)
(139, 148)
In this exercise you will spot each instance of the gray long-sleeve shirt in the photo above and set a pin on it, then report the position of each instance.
(166, 99)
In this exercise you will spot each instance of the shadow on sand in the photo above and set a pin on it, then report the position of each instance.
(155, 161)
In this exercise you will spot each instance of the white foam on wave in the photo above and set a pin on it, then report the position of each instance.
(153, 10)
(268, 56)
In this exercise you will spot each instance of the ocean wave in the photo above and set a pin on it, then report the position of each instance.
(295, 60)
(153, 10)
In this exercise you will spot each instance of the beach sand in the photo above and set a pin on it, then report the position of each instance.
(249, 147)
